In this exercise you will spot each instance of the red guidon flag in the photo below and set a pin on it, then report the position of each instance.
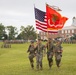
(62, 22)
(54, 19)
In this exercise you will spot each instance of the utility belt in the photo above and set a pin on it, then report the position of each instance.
(59, 51)
(50, 52)
(31, 52)
(38, 52)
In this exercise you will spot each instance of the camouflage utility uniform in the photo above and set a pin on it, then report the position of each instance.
(58, 53)
(31, 54)
(50, 52)
(39, 54)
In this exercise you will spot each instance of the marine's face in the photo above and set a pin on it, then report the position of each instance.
(32, 44)
(49, 40)
(58, 42)
(39, 41)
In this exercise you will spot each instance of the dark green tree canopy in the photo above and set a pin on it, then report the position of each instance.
(2, 31)
(12, 31)
(28, 32)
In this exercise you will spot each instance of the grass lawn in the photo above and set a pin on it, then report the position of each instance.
(14, 61)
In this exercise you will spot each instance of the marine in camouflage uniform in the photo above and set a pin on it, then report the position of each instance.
(58, 53)
(31, 53)
(50, 52)
(39, 54)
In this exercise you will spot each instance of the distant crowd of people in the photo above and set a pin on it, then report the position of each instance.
(39, 50)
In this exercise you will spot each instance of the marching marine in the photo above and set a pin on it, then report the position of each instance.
(58, 53)
(39, 54)
(50, 52)
(31, 54)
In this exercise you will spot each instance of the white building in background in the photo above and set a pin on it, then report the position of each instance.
(74, 21)
(66, 32)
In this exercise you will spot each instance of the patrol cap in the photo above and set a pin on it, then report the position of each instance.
(39, 38)
(32, 41)
(58, 40)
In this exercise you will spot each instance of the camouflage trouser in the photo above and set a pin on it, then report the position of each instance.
(39, 58)
(50, 58)
(58, 58)
(31, 56)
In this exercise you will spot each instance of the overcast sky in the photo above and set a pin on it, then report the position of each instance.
(21, 12)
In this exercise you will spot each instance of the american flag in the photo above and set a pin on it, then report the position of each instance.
(41, 21)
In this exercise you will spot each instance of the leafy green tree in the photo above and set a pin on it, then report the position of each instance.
(73, 37)
(2, 32)
(28, 32)
(12, 32)
(22, 34)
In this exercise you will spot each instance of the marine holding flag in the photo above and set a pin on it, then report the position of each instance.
(55, 22)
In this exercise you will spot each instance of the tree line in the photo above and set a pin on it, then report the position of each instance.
(25, 33)
(11, 32)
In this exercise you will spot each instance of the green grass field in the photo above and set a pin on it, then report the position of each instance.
(14, 61)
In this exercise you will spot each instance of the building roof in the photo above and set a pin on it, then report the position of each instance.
(69, 27)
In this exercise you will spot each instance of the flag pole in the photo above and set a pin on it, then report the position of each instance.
(37, 34)
(36, 29)
(47, 32)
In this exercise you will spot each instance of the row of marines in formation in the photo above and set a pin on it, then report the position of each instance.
(39, 51)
